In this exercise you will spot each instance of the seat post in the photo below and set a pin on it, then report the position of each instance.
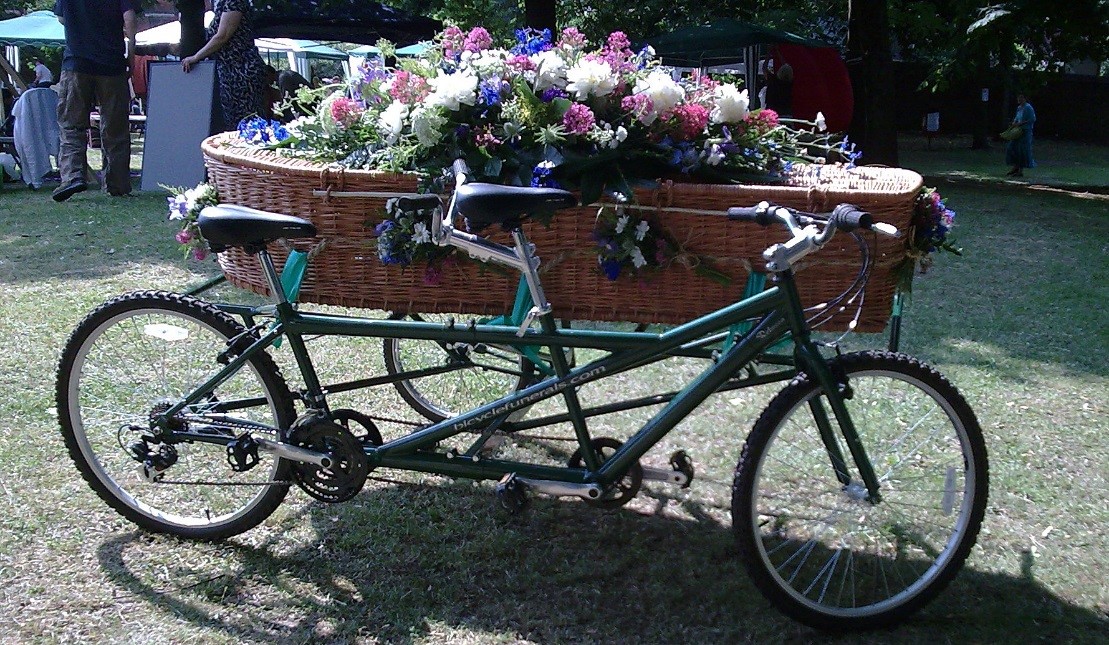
(272, 278)
(526, 253)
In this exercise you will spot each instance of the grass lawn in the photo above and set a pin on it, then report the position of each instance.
(1018, 324)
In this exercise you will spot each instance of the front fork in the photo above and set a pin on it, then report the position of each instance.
(836, 390)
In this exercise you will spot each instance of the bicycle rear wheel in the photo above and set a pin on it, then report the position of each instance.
(466, 376)
(819, 550)
(132, 358)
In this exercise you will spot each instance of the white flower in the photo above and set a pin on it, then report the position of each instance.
(426, 123)
(453, 90)
(590, 78)
(295, 128)
(550, 70)
(730, 105)
(391, 121)
(621, 134)
(420, 234)
(486, 64)
(641, 230)
(193, 194)
(622, 223)
(638, 261)
(663, 92)
(821, 124)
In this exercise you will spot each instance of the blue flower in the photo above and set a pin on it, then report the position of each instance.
(532, 41)
(384, 227)
(685, 157)
(541, 176)
(611, 269)
(490, 92)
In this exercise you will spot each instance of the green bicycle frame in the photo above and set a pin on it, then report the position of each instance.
(777, 312)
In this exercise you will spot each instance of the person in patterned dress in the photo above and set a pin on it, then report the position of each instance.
(240, 72)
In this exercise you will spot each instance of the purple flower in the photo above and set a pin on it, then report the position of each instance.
(183, 236)
(541, 176)
(384, 227)
(552, 93)
(579, 119)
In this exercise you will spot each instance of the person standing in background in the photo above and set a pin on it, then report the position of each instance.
(1018, 152)
(240, 72)
(99, 47)
(43, 76)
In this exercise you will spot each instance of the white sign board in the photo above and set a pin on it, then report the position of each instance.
(178, 118)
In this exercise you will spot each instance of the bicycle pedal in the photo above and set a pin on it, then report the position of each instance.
(511, 493)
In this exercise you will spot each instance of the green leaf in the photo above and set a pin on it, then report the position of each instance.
(715, 275)
(592, 185)
(562, 106)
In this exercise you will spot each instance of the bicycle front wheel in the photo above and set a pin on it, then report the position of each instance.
(134, 357)
(819, 549)
(442, 380)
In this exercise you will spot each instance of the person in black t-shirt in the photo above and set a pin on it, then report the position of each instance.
(99, 48)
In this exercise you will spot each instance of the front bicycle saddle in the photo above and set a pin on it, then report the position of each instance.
(485, 204)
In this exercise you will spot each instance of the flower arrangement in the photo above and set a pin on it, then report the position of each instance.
(629, 244)
(597, 117)
(928, 233)
(404, 237)
(184, 206)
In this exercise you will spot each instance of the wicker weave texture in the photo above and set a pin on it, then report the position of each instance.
(347, 272)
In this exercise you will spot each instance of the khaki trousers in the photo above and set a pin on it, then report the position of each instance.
(78, 94)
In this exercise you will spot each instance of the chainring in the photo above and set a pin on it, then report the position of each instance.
(625, 489)
(349, 468)
(364, 428)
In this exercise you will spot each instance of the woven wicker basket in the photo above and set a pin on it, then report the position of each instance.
(347, 271)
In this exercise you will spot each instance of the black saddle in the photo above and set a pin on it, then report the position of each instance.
(485, 204)
(226, 226)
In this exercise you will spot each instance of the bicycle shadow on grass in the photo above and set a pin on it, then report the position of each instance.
(405, 563)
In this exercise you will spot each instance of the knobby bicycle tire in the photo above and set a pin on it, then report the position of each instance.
(134, 356)
(819, 550)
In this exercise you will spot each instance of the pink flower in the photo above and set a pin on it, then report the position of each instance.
(762, 121)
(477, 40)
(200, 253)
(691, 120)
(520, 63)
(183, 236)
(618, 41)
(638, 105)
(452, 40)
(484, 137)
(572, 38)
(579, 119)
(409, 88)
(346, 111)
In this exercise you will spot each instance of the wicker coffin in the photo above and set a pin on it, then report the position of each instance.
(347, 271)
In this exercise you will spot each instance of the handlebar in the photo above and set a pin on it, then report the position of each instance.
(807, 235)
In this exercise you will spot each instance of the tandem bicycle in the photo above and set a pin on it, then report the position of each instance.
(857, 496)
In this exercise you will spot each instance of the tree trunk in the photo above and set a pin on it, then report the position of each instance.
(192, 26)
(874, 127)
(540, 14)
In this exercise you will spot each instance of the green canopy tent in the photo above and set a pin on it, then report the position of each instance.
(36, 29)
(720, 43)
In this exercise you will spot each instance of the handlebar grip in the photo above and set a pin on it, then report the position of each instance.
(848, 218)
(418, 202)
(759, 214)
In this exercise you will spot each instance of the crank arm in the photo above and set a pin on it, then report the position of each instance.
(665, 475)
(562, 489)
(294, 453)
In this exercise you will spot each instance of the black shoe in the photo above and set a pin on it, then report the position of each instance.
(62, 193)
